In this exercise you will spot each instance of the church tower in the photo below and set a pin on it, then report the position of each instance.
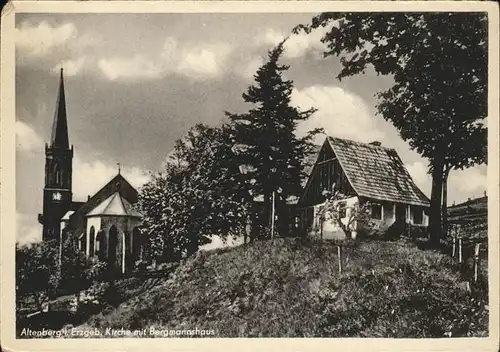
(57, 195)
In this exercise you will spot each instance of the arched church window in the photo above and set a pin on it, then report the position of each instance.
(58, 175)
(112, 246)
(92, 238)
(83, 242)
(100, 248)
(62, 176)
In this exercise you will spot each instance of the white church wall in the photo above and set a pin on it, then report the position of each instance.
(96, 222)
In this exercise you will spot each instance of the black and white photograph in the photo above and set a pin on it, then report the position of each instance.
(253, 174)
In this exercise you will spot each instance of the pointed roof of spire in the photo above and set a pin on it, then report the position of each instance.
(59, 136)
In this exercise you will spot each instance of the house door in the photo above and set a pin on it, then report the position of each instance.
(401, 213)
(400, 223)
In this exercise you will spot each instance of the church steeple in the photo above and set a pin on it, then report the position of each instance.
(59, 138)
(57, 194)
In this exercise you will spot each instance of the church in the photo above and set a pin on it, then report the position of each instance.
(106, 224)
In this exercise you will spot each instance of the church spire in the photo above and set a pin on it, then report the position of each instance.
(59, 138)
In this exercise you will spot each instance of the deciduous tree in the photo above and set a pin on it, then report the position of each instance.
(37, 275)
(198, 195)
(348, 217)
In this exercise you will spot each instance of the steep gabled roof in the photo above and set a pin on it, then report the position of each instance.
(114, 205)
(376, 172)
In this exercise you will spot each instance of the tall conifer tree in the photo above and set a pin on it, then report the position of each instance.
(270, 149)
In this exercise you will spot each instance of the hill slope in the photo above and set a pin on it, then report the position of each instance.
(291, 287)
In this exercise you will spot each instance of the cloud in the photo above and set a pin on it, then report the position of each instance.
(201, 62)
(471, 182)
(90, 176)
(270, 37)
(418, 172)
(197, 61)
(71, 67)
(297, 45)
(135, 67)
(193, 61)
(340, 112)
(462, 184)
(249, 69)
(39, 39)
(26, 138)
(170, 54)
(28, 230)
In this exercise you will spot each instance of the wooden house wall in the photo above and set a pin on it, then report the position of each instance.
(325, 173)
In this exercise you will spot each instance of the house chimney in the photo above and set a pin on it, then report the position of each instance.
(485, 193)
(377, 143)
(88, 198)
(468, 199)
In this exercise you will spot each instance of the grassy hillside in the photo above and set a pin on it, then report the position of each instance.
(291, 287)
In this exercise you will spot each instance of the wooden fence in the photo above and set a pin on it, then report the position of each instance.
(467, 244)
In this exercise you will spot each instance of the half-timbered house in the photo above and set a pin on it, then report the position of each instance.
(363, 172)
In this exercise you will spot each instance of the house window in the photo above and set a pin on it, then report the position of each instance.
(376, 210)
(418, 216)
(92, 240)
(389, 210)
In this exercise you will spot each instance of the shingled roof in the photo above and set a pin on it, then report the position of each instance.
(377, 172)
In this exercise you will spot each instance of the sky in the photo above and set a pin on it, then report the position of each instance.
(137, 82)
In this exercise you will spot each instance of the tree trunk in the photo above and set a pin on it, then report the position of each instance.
(193, 246)
(435, 229)
(266, 213)
(254, 221)
(282, 223)
(444, 204)
(344, 228)
(167, 254)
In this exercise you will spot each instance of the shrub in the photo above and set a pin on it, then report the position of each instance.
(97, 270)
(92, 300)
(416, 232)
(141, 266)
(37, 274)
